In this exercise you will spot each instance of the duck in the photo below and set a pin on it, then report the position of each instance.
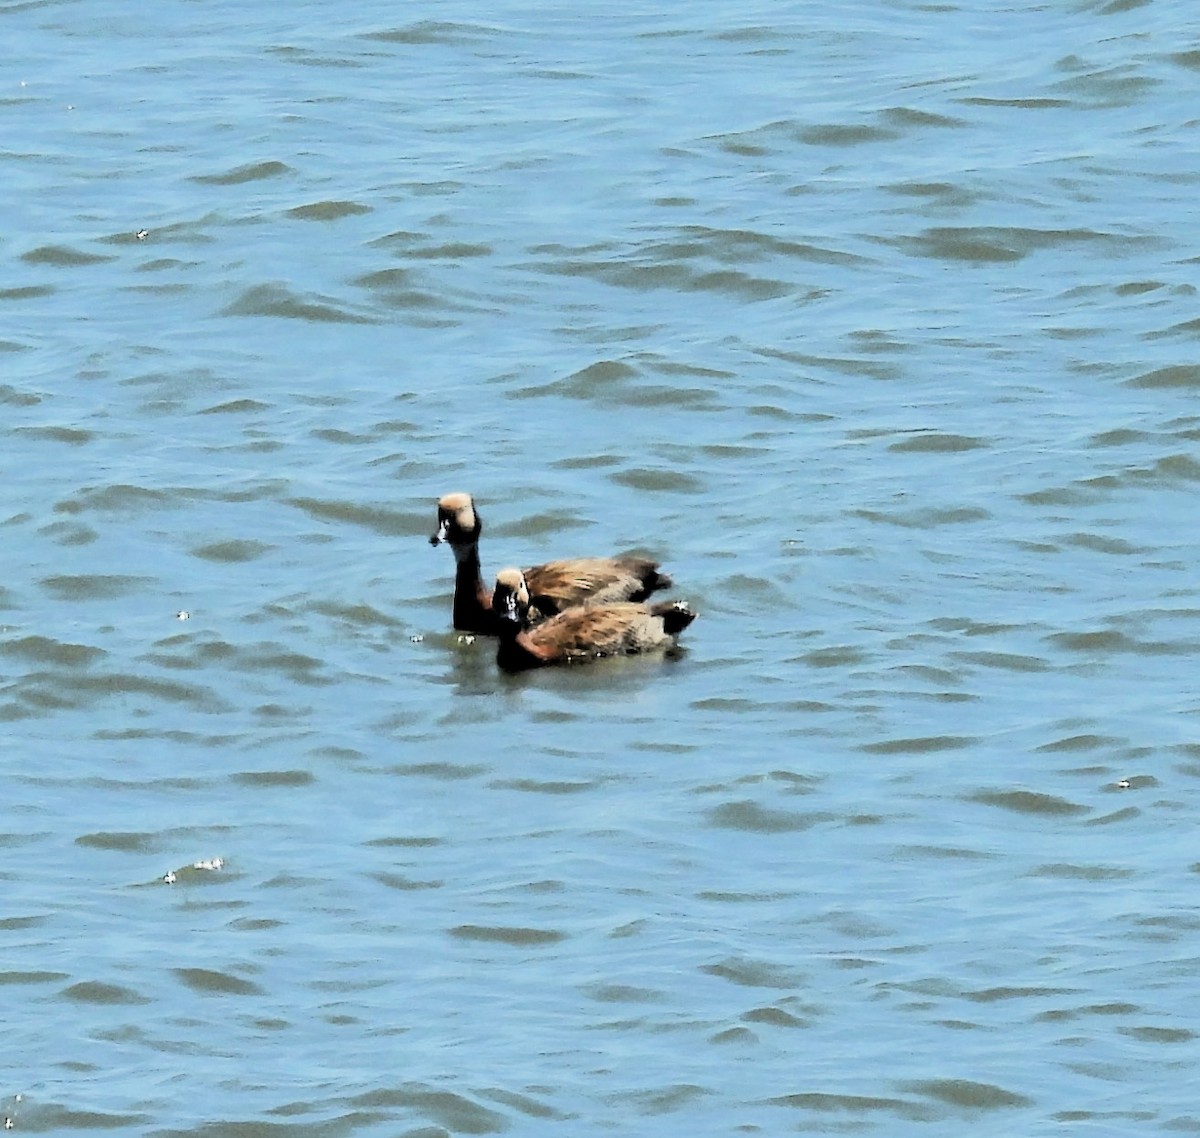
(622, 628)
(553, 587)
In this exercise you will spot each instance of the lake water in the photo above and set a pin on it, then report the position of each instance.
(877, 322)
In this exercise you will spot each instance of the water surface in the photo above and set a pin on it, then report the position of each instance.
(875, 323)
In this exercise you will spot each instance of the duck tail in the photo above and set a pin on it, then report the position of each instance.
(655, 579)
(676, 616)
(650, 579)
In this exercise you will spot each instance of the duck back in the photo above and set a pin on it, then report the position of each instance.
(579, 634)
(560, 585)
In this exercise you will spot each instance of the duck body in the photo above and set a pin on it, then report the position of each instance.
(553, 587)
(621, 628)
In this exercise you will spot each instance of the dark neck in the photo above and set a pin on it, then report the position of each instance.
(472, 601)
(513, 655)
(516, 651)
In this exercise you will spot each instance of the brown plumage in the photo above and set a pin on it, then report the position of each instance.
(553, 587)
(579, 634)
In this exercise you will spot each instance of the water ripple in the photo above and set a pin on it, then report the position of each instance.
(873, 326)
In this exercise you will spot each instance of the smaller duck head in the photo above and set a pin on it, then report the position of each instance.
(458, 523)
(510, 601)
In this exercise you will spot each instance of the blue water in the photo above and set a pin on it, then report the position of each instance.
(874, 323)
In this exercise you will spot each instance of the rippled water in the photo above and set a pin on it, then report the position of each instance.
(876, 322)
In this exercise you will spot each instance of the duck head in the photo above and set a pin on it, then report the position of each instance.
(458, 523)
(510, 600)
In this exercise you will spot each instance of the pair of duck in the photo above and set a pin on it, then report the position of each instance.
(561, 612)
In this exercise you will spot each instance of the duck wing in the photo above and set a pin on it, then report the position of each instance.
(602, 630)
(560, 585)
